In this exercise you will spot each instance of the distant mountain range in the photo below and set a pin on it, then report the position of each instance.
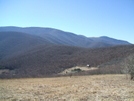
(54, 36)
(39, 52)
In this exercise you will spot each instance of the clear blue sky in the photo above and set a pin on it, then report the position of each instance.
(91, 18)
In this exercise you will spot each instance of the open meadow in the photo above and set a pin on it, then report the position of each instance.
(76, 88)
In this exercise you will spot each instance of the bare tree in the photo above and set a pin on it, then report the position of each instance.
(129, 66)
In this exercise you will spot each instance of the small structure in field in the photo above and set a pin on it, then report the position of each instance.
(88, 65)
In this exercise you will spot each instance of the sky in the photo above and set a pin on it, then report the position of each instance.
(91, 18)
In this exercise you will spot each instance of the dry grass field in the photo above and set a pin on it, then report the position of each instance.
(76, 88)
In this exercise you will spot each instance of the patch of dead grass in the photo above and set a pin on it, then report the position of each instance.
(76, 88)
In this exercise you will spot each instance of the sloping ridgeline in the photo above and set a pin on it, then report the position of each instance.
(59, 37)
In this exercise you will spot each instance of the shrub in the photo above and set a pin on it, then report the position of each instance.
(76, 70)
(129, 66)
(2, 67)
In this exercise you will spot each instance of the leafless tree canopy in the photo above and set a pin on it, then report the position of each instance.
(129, 66)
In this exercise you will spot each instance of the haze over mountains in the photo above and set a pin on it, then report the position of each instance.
(39, 52)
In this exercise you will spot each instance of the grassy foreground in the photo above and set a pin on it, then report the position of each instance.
(76, 88)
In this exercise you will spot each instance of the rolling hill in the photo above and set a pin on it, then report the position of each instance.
(44, 61)
(15, 42)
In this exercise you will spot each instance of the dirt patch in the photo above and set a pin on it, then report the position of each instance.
(72, 70)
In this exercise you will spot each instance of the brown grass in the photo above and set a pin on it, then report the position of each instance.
(76, 88)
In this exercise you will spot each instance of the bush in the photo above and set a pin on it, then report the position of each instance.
(77, 70)
(129, 66)
(2, 67)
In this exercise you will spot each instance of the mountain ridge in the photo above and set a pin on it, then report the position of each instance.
(66, 38)
(14, 42)
(47, 53)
